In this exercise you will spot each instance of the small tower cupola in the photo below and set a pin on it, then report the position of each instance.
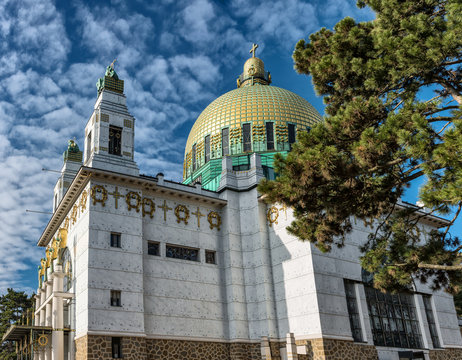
(110, 131)
(72, 162)
(254, 71)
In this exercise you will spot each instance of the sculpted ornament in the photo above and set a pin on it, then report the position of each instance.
(75, 210)
(99, 194)
(132, 195)
(152, 207)
(272, 215)
(214, 220)
(83, 200)
(182, 214)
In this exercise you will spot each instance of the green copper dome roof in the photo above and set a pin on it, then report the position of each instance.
(254, 102)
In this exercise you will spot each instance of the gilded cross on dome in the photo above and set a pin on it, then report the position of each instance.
(253, 49)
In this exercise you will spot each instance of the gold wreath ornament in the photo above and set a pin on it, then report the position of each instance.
(179, 210)
(152, 207)
(272, 215)
(42, 340)
(211, 216)
(132, 195)
(99, 190)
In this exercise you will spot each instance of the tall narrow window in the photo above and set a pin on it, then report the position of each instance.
(225, 141)
(353, 312)
(269, 136)
(115, 140)
(247, 137)
(88, 149)
(291, 134)
(207, 148)
(431, 321)
(193, 155)
(115, 240)
(115, 298)
(116, 348)
(393, 319)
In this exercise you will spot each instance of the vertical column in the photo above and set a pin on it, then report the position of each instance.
(58, 314)
(48, 309)
(37, 305)
(291, 347)
(42, 316)
(265, 348)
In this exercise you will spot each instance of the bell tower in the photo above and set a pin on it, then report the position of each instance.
(110, 131)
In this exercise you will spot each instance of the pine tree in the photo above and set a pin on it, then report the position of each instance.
(12, 306)
(392, 89)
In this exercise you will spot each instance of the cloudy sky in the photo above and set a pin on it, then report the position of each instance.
(175, 57)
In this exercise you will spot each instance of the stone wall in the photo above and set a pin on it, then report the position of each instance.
(94, 347)
(446, 354)
(329, 349)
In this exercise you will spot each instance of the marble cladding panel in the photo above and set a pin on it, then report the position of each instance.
(188, 327)
(101, 299)
(115, 260)
(178, 289)
(185, 308)
(115, 280)
(182, 270)
(114, 320)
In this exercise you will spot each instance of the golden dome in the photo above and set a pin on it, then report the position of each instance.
(254, 103)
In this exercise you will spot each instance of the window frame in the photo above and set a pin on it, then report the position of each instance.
(182, 256)
(118, 240)
(247, 145)
(116, 347)
(294, 137)
(214, 254)
(158, 247)
(223, 137)
(268, 132)
(113, 142)
(207, 149)
(116, 298)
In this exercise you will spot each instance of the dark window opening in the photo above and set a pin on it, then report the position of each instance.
(225, 141)
(207, 148)
(179, 252)
(431, 321)
(115, 240)
(153, 248)
(116, 347)
(115, 140)
(353, 312)
(247, 137)
(193, 155)
(210, 257)
(269, 136)
(291, 128)
(115, 298)
(269, 172)
(393, 319)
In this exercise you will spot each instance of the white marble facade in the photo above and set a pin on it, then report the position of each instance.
(264, 282)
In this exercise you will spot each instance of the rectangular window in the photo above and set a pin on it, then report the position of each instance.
(393, 319)
(115, 140)
(431, 320)
(269, 136)
(115, 240)
(88, 149)
(193, 155)
(207, 148)
(247, 137)
(115, 298)
(353, 312)
(225, 141)
(210, 257)
(291, 134)
(153, 248)
(179, 252)
(116, 348)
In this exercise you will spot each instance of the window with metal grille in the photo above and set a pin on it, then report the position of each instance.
(116, 348)
(115, 298)
(153, 248)
(115, 140)
(269, 136)
(393, 319)
(115, 240)
(225, 141)
(247, 137)
(193, 155)
(292, 138)
(207, 148)
(210, 257)
(431, 321)
(353, 312)
(180, 252)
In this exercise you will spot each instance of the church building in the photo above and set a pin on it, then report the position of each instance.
(139, 267)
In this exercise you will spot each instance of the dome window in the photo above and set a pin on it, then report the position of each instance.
(269, 136)
(194, 157)
(225, 141)
(207, 148)
(291, 134)
(246, 137)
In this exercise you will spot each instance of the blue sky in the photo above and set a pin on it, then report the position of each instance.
(175, 57)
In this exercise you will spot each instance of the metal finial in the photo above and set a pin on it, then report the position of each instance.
(253, 49)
